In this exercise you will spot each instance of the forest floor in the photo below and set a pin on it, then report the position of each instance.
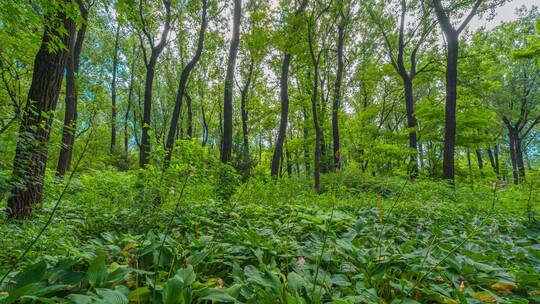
(364, 240)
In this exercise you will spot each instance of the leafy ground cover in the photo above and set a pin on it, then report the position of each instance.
(364, 240)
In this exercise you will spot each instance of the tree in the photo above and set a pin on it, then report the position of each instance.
(337, 86)
(182, 85)
(409, 41)
(145, 31)
(284, 101)
(32, 145)
(72, 75)
(113, 88)
(226, 148)
(315, 59)
(452, 44)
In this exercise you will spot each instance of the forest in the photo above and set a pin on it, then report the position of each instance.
(269, 151)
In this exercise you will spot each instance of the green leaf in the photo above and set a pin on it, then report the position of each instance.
(187, 275)
(173, 290)
(112, 296)
(97, 273)
(295, 281)
(31, 274)
(80, 299)
(28, 289)
(217, 295)
(140, 295)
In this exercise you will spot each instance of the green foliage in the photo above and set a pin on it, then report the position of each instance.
(383, 239)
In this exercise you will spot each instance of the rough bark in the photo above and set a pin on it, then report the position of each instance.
(32, 146)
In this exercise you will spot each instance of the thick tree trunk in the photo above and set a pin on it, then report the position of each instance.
(113, 90)
(70, 116)
(452, 42)
(32, 146)
(450, 107)
(226, 151)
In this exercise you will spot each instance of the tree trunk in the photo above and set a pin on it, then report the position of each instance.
(113, 90)
(32, 146)
(147, 111)
(189, 117)
(226, 151)
(411, 124)
(150, 63)
(314, 113)
(182, 85)
(469, 165)
(492, 160)
(70, 116)
(519, 156)
(289, 163)
(497, 167)
(337, 93)
(479, 159)
(513, 156)
(450, 107)
(306, 135)
(452, 41)
(205, 127)
(284, 102)
(245, 91)
(129, 102)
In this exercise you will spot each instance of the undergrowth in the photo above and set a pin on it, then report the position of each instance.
(363, 240)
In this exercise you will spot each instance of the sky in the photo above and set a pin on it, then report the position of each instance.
(504, 13)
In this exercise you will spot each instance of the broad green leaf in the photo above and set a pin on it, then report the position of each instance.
(97, 272)
(112, 296)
